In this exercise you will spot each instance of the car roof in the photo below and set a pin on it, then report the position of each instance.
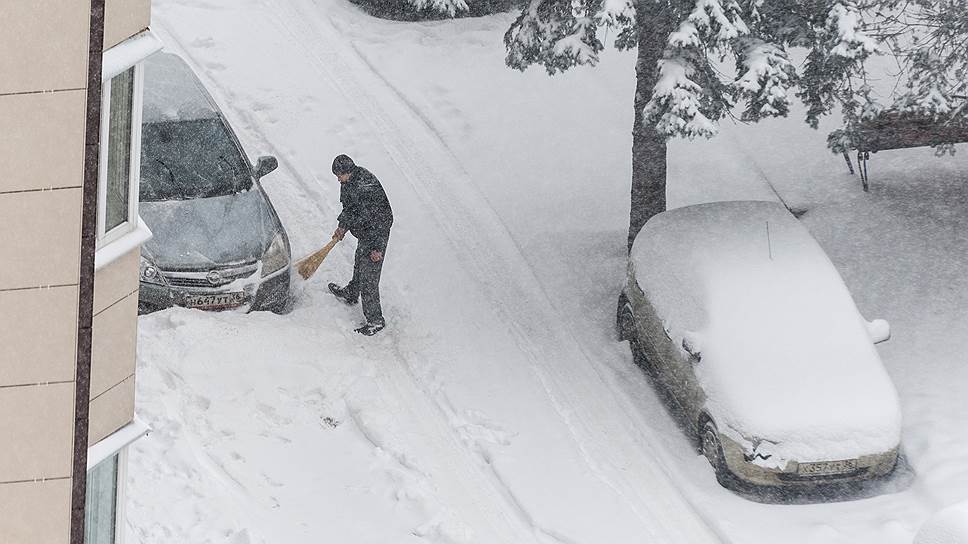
(687, 254)
(759, 231)
(172, 92)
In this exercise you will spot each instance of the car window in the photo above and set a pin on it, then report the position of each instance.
(190, 158)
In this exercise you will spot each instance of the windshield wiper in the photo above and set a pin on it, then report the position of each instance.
(232, 166)
(171, 175)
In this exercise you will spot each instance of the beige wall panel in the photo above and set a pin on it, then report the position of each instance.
(38, 335)
(114, 345)
(44, 44)
(111, 411)
(41, 238)
(42, 140)
(35, 512)
(37, 427)
(123, 19)
(116, 280)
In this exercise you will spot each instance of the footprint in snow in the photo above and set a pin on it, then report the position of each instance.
(206, 42)
(273, 415)
(215, 66)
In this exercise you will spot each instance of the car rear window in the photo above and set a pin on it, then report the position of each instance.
(190, 158)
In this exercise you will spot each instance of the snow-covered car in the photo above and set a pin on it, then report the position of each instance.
(218, 242)
(737, 312)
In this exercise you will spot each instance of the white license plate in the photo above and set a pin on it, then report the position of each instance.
(827, 468)
(216, 301)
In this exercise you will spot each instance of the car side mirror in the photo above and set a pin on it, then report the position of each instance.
(692, 344)
(879, 330)
(265, 164)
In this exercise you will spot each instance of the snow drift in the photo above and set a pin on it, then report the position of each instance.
(949, 526)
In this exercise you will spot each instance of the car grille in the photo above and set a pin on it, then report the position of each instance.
(209, 279)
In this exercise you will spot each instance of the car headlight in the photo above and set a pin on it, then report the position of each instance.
(150, 272)
(276, 257)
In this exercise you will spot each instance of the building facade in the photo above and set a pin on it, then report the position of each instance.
(70, 96)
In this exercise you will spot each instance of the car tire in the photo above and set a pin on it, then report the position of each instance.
(285, 307)
(712, 450)
(638, 354)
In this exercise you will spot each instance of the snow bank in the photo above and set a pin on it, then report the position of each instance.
(949, 526)
(786, 356)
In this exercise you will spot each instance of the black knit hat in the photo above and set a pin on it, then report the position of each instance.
(342, 164)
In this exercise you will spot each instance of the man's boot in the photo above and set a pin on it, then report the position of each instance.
(341, 294)
(370, 329)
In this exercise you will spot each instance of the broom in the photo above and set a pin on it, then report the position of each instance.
(307, 267)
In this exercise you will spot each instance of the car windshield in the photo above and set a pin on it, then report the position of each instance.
(187, 159)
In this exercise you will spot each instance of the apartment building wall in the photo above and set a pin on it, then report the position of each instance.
(42, 131)
(44, 62)
(114, 337)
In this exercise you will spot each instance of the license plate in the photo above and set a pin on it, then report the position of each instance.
(216, 301)
(827, 468)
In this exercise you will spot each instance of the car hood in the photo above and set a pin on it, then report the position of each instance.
(796, 366)
(204, 232)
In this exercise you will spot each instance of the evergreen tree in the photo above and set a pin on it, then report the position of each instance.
(415, 10)
(702, 60)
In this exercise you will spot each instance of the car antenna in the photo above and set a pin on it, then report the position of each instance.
(769, 242)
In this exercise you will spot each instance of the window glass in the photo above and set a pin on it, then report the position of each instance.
(119, 149)
(190, 158)
(101, 504)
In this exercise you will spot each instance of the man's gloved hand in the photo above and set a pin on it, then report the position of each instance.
(376, 256)
(339, 233)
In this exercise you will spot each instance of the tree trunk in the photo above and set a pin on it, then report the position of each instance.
(648, 146)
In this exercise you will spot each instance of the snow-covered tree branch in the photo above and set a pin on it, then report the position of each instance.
(703, 60)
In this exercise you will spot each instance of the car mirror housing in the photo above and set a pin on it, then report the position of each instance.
(879, 330)
(265, 164)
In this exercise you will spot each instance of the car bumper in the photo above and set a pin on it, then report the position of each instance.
(269, 293)
(868, 467)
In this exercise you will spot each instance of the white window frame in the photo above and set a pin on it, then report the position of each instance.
(117, 444)
(121, 496)
(105, 237)
(132, 233)
(120, 493)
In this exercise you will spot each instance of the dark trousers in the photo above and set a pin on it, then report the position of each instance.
(366, 283)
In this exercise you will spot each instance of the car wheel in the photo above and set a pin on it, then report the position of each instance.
(285, 306)
(712, 450)
(638, 353)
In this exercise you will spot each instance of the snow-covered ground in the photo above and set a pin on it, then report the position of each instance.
(497, 406)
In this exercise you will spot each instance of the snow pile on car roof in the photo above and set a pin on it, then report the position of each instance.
(172, 92)
(785, 355)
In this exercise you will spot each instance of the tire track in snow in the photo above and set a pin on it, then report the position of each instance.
(461, 218)
(407, 157)
(341, 63)
(396, 380)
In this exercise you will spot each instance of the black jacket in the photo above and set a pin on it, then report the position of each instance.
(366, 209)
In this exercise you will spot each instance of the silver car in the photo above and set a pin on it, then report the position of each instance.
(218, 242)
(743, 321)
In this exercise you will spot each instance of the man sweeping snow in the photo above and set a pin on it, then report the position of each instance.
(367, 216)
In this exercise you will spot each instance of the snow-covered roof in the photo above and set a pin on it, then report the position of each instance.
(785, 354)
(173, 92)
